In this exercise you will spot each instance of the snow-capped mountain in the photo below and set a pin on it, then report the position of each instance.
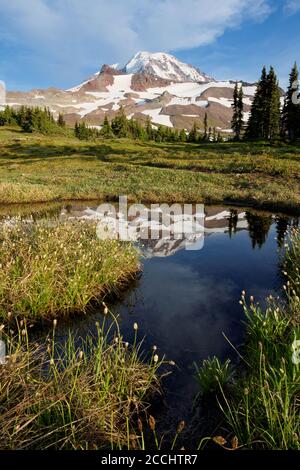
(158, 86)
(165, 66)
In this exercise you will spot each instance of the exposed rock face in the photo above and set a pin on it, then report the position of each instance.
(143, 81)
(214, 92)
(151, 85)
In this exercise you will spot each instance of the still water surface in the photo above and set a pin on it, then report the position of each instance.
(186, 302)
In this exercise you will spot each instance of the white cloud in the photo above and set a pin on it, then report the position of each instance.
(292, 6)
(72, 35)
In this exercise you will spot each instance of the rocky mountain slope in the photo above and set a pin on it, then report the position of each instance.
(157, 85)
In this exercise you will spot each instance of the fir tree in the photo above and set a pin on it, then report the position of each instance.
(205, 125)
(264, 121)
(272, 115)
(291, 110)
(237, 117)
(182, 135)
(106, 130)
(193, 135)
(148, 129)
(61, 121)
(255, 127)
(119, 124)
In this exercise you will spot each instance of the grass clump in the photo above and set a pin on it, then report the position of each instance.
(264, 411)
(73, 397)
(213, 375)
(50, 270)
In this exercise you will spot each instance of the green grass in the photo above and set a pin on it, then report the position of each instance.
(83, 397)
(35, 168)
(262, 410)
(212, 375)
(59, 269)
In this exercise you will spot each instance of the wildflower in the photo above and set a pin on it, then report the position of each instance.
(126, 345)
(154, 348)
(246, 391)
(54, 323)
(81, 354)
(135, 326)
(251, 299)
(155, 359)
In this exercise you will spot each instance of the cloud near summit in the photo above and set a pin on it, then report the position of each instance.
(72, 35)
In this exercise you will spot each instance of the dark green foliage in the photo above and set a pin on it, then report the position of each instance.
(30, 119)
(8, 117)
(106, 130)
(264, 121)
(255, 128)
(237, 122)
(61, 121)
(119, 124)
(291, 111)
(83, 132)
(205, 125)
(193, 135)
(182, 135)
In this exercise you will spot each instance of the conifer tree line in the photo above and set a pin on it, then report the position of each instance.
(121, 126)
(268, 120)
(32, 119)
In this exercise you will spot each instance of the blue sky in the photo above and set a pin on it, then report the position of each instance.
(61, 42)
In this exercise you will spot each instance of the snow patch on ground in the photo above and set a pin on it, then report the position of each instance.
(158, 118)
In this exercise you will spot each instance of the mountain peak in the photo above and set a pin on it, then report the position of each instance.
(165, 66)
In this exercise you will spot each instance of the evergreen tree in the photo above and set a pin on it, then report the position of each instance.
(214, 135)
(219, 137)
(193, 135)
(238, 106)
(205, 125)
(182, 135)
(291, 110)
(148, 129)
(76, 130)
(119, 124)
(272, 115)
(106, 130)
(8, 117)
(255, 127)
(159, 134)
(264, 121)
(61, 121)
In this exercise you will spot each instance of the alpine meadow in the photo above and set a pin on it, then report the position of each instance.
(149, 230)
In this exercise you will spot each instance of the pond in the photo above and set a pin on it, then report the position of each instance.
(186, 302)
